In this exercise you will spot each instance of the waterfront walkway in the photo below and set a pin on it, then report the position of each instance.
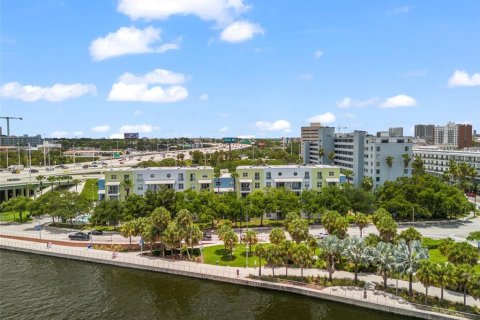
(375, 299)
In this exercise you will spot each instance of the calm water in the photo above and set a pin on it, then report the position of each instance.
(38, 287)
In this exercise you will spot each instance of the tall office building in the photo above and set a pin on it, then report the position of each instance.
(426, 132)
(309, 133)
(454, 135)
(364, 155)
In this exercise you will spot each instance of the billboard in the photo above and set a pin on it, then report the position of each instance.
(131, 135)
(229, 140)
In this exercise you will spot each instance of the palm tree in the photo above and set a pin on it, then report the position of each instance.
(234, 176)
(160, 218)
(321, 153)
(465, 275)
(288, 248)
(382, 257)
(409, 257)
(51, 179)
(444, 275)
(417, 165)
(129, 229)
(301, 256)
(260, 252)
(331, 247)
(406, 160)
(277, 236)
(298, 230)
(230, 239)
(361, 220)
(367, 184)
(389, 161)
(217, 176)
(127, 184)
(40, 179)
(76, 182)
(331, 156)
(355, 251)
(250, 238)
(274, 257)
(426, 275)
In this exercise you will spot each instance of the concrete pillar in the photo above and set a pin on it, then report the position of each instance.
(5, 192)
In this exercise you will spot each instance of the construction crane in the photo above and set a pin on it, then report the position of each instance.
(340, 128)
(8, 126)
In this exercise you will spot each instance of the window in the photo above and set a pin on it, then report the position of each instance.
(204, 175)
(257, 185)
(377, 179)
(180, 186)
(140, 176)
(257, 175)
(406, 171)
(140, 188)
(180, 177)
(245, 174)
(319, 175)
(378, 164)
(168, 175)
(152, 176)
(307, 184)
(269, 175)
(126, 177)
(295, 174)
(406, 148)
(204, 186)
(279, 174)
(378, 171)
(319, 184)
(268, 184)
(192, 177)
(307, 175)
(378, 149)
(331, 173)
(114, 177)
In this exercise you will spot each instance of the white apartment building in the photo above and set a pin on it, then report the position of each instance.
(435, 159)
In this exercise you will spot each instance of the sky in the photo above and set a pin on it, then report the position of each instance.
(236, 68)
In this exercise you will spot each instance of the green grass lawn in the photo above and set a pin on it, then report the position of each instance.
(436, 256)
(211, 254)
(90, 190)
(11, 215)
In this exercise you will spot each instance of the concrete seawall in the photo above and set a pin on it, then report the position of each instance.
(354, 298)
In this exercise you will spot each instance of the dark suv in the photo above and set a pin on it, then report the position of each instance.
(78, 236)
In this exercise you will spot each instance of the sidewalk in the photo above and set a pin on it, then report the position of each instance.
(375, 299)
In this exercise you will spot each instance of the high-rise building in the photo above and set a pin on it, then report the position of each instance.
(364, 155)
(395, 132)
(309, 133)
(24, 140)
(455, 135)
(425, 132)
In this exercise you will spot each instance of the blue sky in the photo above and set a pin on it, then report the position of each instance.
(214, 68)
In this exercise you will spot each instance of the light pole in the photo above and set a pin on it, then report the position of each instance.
(18, 150)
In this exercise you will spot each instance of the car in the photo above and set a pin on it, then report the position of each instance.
(50, 168)
(207, 236)
(86, 166)
(121, 162)
(33, 171)
(13, 179)
(322, 235)
(94, 166)
(82, 236)
(95, 232)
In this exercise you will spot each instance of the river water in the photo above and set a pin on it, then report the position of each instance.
(39, 287)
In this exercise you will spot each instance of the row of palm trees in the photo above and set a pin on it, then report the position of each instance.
(53, 179)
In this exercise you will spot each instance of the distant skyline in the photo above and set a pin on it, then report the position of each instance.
(215, 68)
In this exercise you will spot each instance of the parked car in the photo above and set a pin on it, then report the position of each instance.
(207, 236)
(13, 179)
(50, 168)
(322, 235)
(33, 171)
(85, 166)
(82, 236)
(95, 232)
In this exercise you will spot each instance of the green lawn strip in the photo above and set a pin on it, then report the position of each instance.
(211, 254)
(9, 216)
(90, 190)
(436, 256)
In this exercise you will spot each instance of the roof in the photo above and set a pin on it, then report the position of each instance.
(336, 180)
(113, 183)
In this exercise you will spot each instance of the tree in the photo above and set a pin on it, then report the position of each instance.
(160, 218)
(474, 236)
(127, 185)
(406, 160)
(257, 204)
(51, 179)
(463, 253)
(335, 224)
(273, 257)
(287, 249)
(331, 157)
(108, 212)
(71, 204)
(298, 230)
(40, 179)
(217, 176)
(321, 153)
(417, 165)
(260, 251)
(332, 247)
(129, 229)
(409, 255)
(310, 203)
(386, 226)
(184, 221)
(135, 207)
(465, 275)
(277, 236)
(410, 234)
(301, 256)
(18, 204)
(444, 275)
(234, 176)
(230, 239)
(355, 251)
(361, 220)
(382, 257)
(367, 184)
(76, 182)
(172, 236)
(426, 275)
(389, 162)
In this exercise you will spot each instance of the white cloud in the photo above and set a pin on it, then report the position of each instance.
(348, 102)
(240, 31)
(116, 136)
(136, 88)
(59, 134)
(324, 118)
(102, 128)
(141, 128)
(204, 97)
(279, 125)
(57, 92)
(318, 54)
(461, 78)
(220, 11)
(224, 129)
(129, 40)
(399, 10)
(399, 101)
(77, 133)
